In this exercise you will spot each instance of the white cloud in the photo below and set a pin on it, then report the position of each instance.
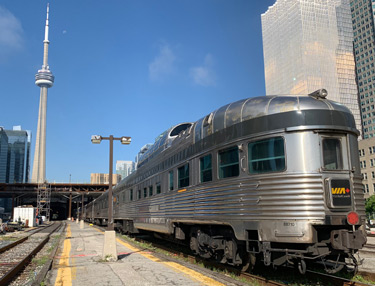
(163, 64)
(10, 31)
(204, 75)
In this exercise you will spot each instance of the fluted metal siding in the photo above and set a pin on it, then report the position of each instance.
(280, 197)
(359, 201)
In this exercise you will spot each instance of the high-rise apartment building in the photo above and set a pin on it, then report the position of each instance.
(124, 168)
(362, 12)
(14, 155)
(367, 162)
(308, 45)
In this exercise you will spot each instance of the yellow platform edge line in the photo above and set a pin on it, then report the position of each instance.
(175, 266)
(64, 274)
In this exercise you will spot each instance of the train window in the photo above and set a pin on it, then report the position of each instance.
(183, 176)
(267, 155)
(131, 194)
(150, 191)
(171, 180)
(228, 163)
(158, 188)
(206, 168)
(145, 192)
(332, 154)
(198, 130)
(139, 194)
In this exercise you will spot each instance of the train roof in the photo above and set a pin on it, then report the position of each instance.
(165, 139)
(256, 107)
(251, 108)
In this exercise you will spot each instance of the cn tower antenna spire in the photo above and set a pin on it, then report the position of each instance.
(44, 79)
(46, 41)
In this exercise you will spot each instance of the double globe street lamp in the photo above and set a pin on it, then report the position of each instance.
(96, 139)
(110, 249)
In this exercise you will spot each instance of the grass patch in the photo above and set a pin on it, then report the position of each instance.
(360, 278)
(107, 258)
(40, 261)
(54, 244)
(9, 238)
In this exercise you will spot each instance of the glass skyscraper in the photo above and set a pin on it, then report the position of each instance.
(362, 12)
(308, 45)
(14, 155)
(3, 155)
(124, 168)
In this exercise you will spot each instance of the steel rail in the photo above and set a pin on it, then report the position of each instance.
(18, 241)
(9, 275)
(334, 280)
(13, 244)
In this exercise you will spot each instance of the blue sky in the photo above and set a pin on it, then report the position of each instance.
(127, 68)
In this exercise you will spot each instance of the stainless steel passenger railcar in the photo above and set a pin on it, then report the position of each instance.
(270, 178)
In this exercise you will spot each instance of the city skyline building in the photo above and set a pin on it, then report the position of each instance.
(100, 178)
(308, 45)
(362, 12)
(3, 155)
(367, 163)
(14, 155)
(44, 79)
(124, 168)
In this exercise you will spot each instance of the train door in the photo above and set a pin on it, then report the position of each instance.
(335, 167)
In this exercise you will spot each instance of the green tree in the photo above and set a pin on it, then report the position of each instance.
(370, 205)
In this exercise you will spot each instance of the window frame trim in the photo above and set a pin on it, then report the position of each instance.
(218, 161)
(340, 139)
(178, 176)
(268, 172)
(200, 169)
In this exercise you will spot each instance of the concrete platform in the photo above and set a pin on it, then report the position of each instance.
(368, 256)
(80, 263)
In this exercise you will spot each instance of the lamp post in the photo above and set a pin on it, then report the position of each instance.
(96, 139)
(70, 198)
(110, 249)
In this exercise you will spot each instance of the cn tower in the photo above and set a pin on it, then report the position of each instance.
(44, 79)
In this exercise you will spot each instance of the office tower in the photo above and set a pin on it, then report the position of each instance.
(44, 79)
(308, 45)
(14, 155)
(124, 168)
(3, 155)
(364, 53)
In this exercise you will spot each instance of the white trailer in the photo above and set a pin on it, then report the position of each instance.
(25, 214)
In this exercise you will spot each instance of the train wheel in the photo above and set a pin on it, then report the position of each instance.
(353, 268)
(301, 266)
(334, 265)
(249, 261)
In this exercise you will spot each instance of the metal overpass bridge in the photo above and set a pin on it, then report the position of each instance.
(65, 197)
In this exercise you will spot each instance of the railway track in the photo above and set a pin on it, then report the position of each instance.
(22, 239)
(334, 280)
(15, 256)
